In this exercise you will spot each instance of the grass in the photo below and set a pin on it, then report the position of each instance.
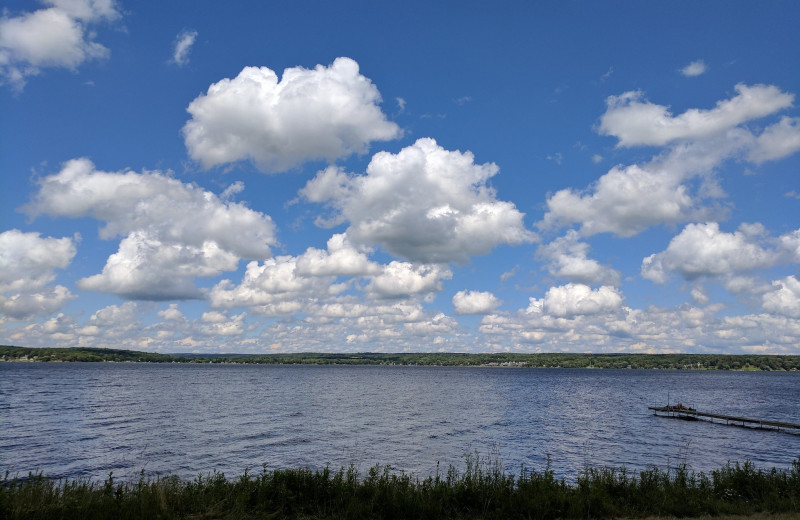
(480, 490)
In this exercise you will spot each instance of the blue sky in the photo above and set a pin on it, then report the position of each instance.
(401, 176)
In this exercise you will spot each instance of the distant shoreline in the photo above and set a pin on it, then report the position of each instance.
(739, 362)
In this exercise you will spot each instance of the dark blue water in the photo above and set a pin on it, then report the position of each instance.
(86, 420)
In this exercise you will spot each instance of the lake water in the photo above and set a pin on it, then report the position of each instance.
(86, 420)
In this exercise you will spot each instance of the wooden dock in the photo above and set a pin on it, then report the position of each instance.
(682, 412)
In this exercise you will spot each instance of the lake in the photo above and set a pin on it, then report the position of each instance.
(89, 419)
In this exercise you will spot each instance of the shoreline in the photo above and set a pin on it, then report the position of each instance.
(700, 362)
(245, 363)
(480, 490)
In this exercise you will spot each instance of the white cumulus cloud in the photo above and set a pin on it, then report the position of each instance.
(475, 302)
(117, 323)
(678, 184)
(438, 325)
(776, 141)
(655, 329)
(145, 268)
(171, 313)
(400, 279)
(426, 204)
(567, 258)
(572, 300)
(790, 244)
(57, 36)
(115, 315)
(636, 122)
(625, 201)
(172, 231)
(167, 208)
(340, 259)
(26, 304)
(579, 299)
(27, 265)
(322, 113)
(271, 282)
(214, 323)
(785, 298)
(704, 250)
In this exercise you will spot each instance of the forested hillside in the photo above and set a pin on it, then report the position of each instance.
(550, 360)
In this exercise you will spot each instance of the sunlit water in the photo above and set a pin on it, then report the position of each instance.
(86, 420)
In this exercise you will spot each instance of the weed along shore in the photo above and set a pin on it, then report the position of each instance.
(480, 490)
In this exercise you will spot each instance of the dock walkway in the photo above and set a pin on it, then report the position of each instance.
(682, 412)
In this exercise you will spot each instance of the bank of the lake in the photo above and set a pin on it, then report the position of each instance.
(479, 490)
(504, 359)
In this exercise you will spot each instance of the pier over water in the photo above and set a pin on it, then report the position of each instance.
(679, 411)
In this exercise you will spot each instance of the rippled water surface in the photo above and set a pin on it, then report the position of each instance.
(85, 419)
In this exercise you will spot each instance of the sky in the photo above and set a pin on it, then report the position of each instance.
(381, 176)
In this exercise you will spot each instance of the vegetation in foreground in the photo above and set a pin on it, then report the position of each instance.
(482, 490)
(547, 360)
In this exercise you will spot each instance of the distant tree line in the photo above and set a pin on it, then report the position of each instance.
(80, 354)
(549, 360)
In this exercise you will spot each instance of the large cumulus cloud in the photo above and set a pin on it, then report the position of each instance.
(704, 250)
(271, 282)
(635, 122)
(677, 184)
(172, 232)
(174, 211)
(145, 268)
(321, 113)
(425, 204)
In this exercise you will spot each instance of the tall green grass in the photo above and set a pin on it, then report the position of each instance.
(479, 490)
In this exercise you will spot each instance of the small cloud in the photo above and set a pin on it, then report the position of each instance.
(230, 191)
(401, 104)
(183, 44)
(556, 158)
(475, 302)
(607, 75)
(699, 296)
(597, 158)
(462, 100)
(509, 274)
(695, 68)
(792, 195)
